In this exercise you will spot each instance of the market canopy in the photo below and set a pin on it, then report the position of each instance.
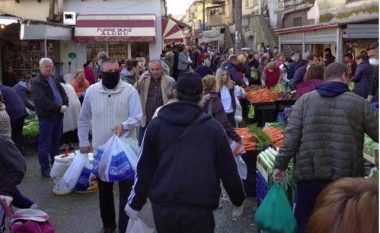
(171, 32)
(134, 28)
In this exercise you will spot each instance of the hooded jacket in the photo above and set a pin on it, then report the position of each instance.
(325, 134)
(187, 172)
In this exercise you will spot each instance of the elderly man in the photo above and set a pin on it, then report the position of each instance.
(109, 106)
(325, 136)
(51, 102)
(152, 87)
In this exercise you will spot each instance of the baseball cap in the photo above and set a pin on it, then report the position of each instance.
(189, 84)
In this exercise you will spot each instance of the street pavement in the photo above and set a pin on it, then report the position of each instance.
(79, 213)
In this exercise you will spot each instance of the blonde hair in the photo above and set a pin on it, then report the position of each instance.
(241, 58)
(219, 81)
(209, 82)
(78, 73)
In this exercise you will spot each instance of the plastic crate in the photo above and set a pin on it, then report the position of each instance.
(261, 187)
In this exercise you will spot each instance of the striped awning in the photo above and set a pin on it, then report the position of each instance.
(171, 32)
(134, 28)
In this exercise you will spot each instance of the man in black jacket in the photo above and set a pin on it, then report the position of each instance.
(51, 102)
(185, 154)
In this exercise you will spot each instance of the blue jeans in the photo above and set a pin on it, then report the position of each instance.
(49, 141)
(305, 198)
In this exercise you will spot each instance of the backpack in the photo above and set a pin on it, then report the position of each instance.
(26, 220)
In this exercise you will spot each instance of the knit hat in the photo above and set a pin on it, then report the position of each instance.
(190, 84)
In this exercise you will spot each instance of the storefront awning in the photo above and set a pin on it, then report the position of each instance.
(33, 30)
(171, 32)
(134, 28)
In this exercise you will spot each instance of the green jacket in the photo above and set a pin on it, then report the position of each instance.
(326, 135)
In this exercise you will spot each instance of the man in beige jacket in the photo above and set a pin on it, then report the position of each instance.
(152, 87)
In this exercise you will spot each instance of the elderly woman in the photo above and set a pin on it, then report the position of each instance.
(211, 104)
(79, 83)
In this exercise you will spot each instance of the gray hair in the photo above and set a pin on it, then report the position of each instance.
(334, 71)
(108, 61)
(102, 55)
(156, 61)
(45, 60)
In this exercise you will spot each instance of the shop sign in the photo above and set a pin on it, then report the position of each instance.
(106, 31)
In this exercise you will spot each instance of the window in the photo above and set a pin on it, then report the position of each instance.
(297, 21)
(349, 1)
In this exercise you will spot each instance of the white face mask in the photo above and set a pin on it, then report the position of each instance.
(374, 61)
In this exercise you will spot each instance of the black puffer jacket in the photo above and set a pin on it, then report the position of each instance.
(44, 99)
(12, 167)
(188, 172)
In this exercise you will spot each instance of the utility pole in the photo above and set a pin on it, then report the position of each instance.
(204, 16)
(238, 25)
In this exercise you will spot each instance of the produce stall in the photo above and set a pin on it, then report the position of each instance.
(30, 129)
(268, 103)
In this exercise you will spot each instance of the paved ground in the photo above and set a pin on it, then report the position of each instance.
(79, 213)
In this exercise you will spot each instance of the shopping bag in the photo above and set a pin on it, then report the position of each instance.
(84, 180)
(115, 160)
(138, 226)
(275, 214)
(242, 167)
(71, 176)
(61, 164)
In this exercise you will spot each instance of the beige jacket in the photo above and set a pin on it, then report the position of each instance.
(142, 87)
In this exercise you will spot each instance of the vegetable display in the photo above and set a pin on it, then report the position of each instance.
(370, 146)
(249, 139)
(262, 95)
(31, 127)
(263, 140)
(267, 159)
(276, 135)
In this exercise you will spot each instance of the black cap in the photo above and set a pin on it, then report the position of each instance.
(190, 84)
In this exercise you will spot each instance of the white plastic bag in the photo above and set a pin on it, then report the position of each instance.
(242, 167)
(71, 176)
(116, 160)
(138, 226)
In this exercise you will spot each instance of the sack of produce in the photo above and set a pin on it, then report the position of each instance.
(61, 164)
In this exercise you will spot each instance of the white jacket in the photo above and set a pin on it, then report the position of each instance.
(70, 117)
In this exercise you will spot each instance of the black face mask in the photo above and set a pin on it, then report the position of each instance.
(110, 79)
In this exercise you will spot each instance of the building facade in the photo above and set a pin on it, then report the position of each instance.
(124, 29)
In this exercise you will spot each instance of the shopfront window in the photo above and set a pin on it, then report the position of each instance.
(140, 50)
(117, 51)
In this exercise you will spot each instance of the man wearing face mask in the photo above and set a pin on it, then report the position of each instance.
(152, 87)
(373, 54)
(110, 106)
(325, 136)
(51, 102)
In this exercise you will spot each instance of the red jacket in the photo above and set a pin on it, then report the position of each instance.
(272, 77)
